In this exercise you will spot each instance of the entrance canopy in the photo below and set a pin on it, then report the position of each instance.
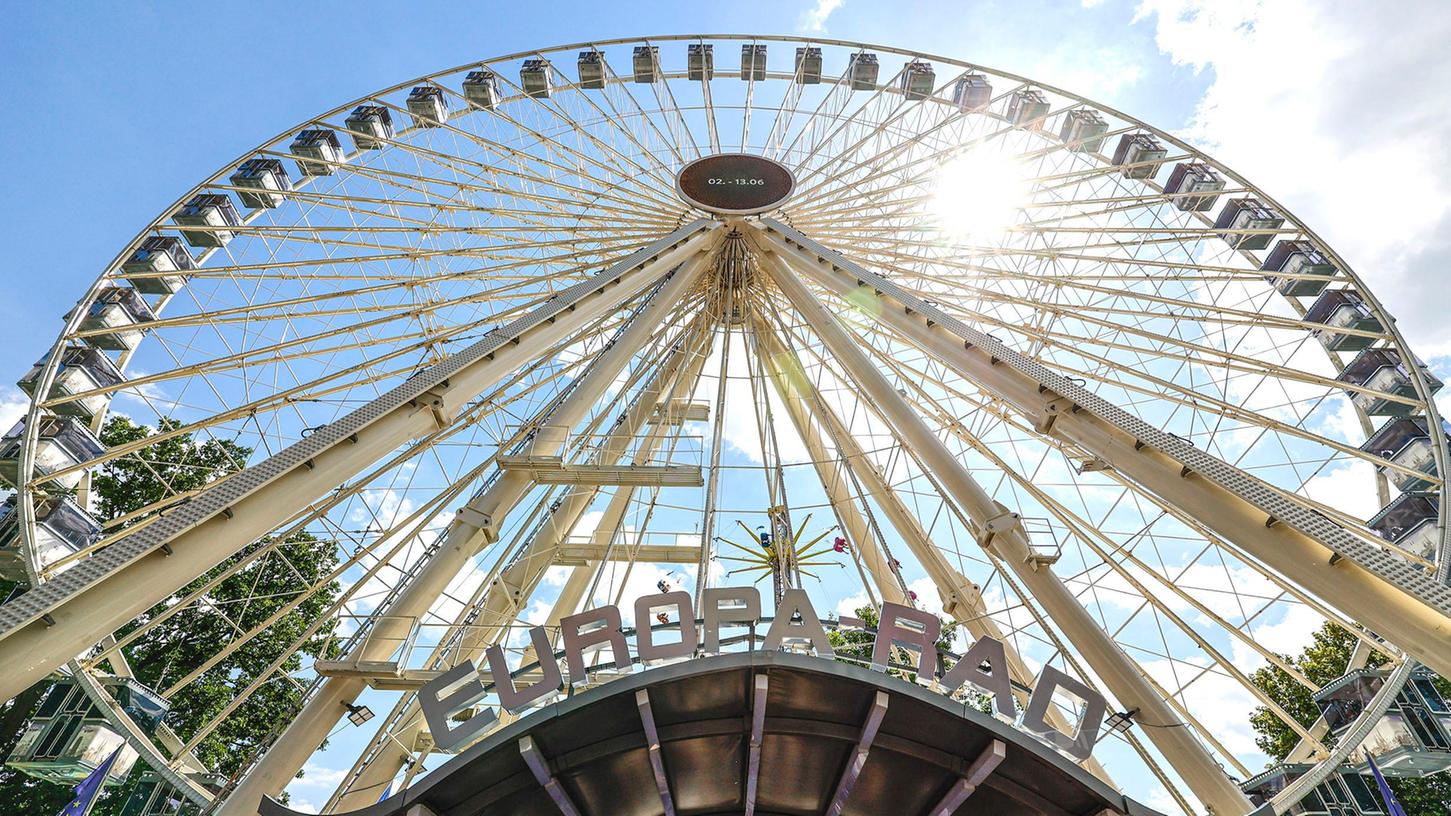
(764, 732)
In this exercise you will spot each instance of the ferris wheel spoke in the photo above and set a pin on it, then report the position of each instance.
(497, 400)
(1091, 537)
(1161, 508)
(611, 176)
(474, 172)
(657, 169)
(1181, 437)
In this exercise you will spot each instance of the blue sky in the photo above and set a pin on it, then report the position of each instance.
(116, 110)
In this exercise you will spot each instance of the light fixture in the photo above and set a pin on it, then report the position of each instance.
(357, 715)
(1120, 721)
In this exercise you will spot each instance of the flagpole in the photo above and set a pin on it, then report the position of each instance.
(89, 789)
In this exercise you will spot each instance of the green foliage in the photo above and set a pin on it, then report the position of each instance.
(1324, 660)
(166, 468)
(184, 642)
(856, 644)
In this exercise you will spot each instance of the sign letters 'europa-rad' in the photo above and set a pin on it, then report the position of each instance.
(795, 627)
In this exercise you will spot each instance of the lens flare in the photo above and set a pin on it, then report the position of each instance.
(978, 194)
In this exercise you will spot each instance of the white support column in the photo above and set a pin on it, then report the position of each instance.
(60, 618)
(476, 524)
(1119, 674)
(1401, 602)
(678, 371)
(961, 598)
(833, 477)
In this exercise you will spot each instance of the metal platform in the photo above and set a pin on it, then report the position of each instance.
(384, 675)
(575, 553)
(766, 732)
(679, 412)
(554, 470)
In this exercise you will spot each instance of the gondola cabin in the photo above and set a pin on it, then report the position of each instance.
(112, 317)
(68, 737)
(481, 88)
(534, 77)
(1083, 130)
(209, 215)
(918, 79)
(1338, 310)
(1139, 156)
(590, 66)
(1410, 739)
(61, 443)
(82, 369)
(753, 62)
(262, 181)
(699, 62)
(1345, 793)
(62, 528)
(1247, 222)
(863, 69)
(1383, 370)
(1410, 522)
(317, 151)
(427, 106)
(158, 267)
(1026, 108)
(1303, 270)
(1193, 186)
(371, 126)
(972, 92)
(808, 66)
(1406, 441)
(645, 62)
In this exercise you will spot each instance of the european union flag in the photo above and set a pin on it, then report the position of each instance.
(89, 790)
(1393, 807)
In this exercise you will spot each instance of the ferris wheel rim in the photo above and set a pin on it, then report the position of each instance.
(1427, 404)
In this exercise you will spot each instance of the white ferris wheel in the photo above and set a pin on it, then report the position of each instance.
(1035, 365)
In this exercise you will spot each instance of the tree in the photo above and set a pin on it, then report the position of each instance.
(1324, 660)
(857, 644)
(181, 644)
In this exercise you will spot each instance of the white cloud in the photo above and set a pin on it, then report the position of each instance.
(13, 405)
(1337, 110)
(320, 777)
(814, 18)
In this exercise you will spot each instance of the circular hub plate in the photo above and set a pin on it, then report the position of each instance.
(735, 184)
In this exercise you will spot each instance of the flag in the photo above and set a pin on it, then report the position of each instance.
(1393, 807)
(387, 792)
(89, 790)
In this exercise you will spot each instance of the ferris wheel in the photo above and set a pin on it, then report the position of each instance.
(545, 331)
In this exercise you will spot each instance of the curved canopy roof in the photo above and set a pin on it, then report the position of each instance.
(591, 753)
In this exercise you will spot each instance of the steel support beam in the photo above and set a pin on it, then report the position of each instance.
(677, 373)
(795, 394)
(652, 746)
(539, 766)
(753, 748)
(1118, 672)
(858, 756)
(1397, 600)
(986, 762)
(61, 618)
(475, 525)
(961, 598)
